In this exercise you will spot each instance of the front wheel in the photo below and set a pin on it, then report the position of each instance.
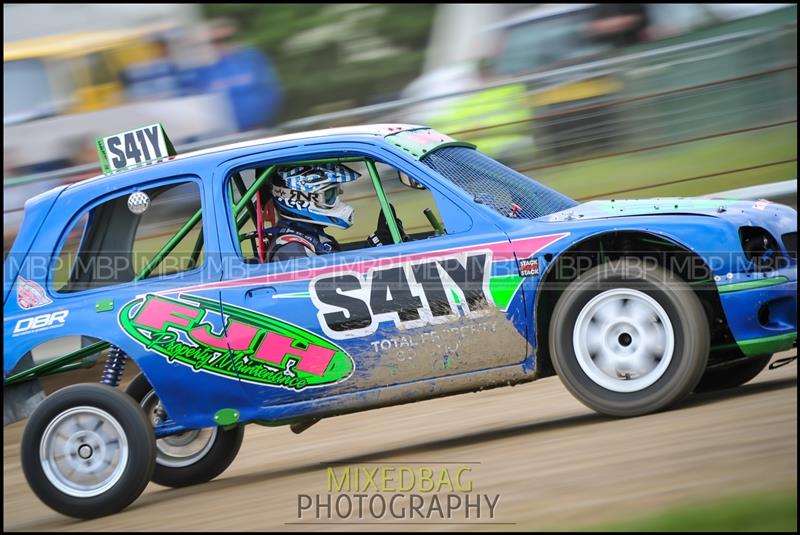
(191, 457)
(88, 451)
(629, 338)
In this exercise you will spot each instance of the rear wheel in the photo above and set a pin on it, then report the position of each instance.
(629, 338)
(732, 376)
(191, 457)
(88, 451)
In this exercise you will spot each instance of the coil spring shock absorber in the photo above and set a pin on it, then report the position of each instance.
(115, 365)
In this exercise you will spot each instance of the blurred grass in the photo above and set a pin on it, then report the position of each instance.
(643, 173)
(773, 511)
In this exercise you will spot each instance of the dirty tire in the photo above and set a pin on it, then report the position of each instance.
(732, 376)
(629, 338)
(218, 447)
(88, 451)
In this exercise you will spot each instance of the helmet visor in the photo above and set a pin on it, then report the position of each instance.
(327, 197)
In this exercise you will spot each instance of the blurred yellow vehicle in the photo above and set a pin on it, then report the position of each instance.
(70, 73)
(60, 92)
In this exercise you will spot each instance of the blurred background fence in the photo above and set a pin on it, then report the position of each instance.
(700, 112)
(689, 119)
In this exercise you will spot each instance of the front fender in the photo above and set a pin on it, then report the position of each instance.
(715, 241)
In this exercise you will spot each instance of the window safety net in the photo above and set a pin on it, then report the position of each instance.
(489, 182)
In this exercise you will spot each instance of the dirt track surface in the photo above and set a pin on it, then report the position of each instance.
(554, 463)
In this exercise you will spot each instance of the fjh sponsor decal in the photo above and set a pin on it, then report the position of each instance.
(253, 347)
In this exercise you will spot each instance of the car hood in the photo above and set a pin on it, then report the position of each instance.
(742, 212)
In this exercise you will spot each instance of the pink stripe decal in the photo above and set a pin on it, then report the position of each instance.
(503, 250)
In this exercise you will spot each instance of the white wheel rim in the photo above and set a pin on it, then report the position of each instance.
(83, 452)
(182, 449)
(623, 340)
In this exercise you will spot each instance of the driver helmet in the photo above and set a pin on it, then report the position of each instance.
(310, 193)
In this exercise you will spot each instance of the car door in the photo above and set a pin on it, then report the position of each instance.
(367, 317)
(134, 251)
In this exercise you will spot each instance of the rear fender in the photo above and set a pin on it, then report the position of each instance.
(36, 211)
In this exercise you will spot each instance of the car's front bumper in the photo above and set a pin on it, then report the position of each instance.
(762, 313)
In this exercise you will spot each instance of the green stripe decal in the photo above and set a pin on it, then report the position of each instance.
(456, 298)
(503, 289)
(768, 344)
(750, 285)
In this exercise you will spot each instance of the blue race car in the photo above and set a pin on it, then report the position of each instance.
(295, 278)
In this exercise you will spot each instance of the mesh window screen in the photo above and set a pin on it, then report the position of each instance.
(495, 185)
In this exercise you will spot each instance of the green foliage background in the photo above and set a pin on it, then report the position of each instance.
(333, 56)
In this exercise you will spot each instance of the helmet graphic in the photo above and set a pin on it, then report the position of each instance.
(310, 193)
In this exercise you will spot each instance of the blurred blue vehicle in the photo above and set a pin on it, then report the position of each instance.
(491, 279)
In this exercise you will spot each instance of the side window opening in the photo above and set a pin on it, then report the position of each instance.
(110, 244)
(69, 253)
(409, 199)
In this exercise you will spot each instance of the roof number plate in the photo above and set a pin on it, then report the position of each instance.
(129, 149)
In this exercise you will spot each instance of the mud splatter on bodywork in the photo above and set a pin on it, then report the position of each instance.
(467, 344)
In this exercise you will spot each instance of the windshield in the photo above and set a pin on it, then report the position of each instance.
(489, 182)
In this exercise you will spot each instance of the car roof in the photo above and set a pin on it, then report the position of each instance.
(374, 130)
